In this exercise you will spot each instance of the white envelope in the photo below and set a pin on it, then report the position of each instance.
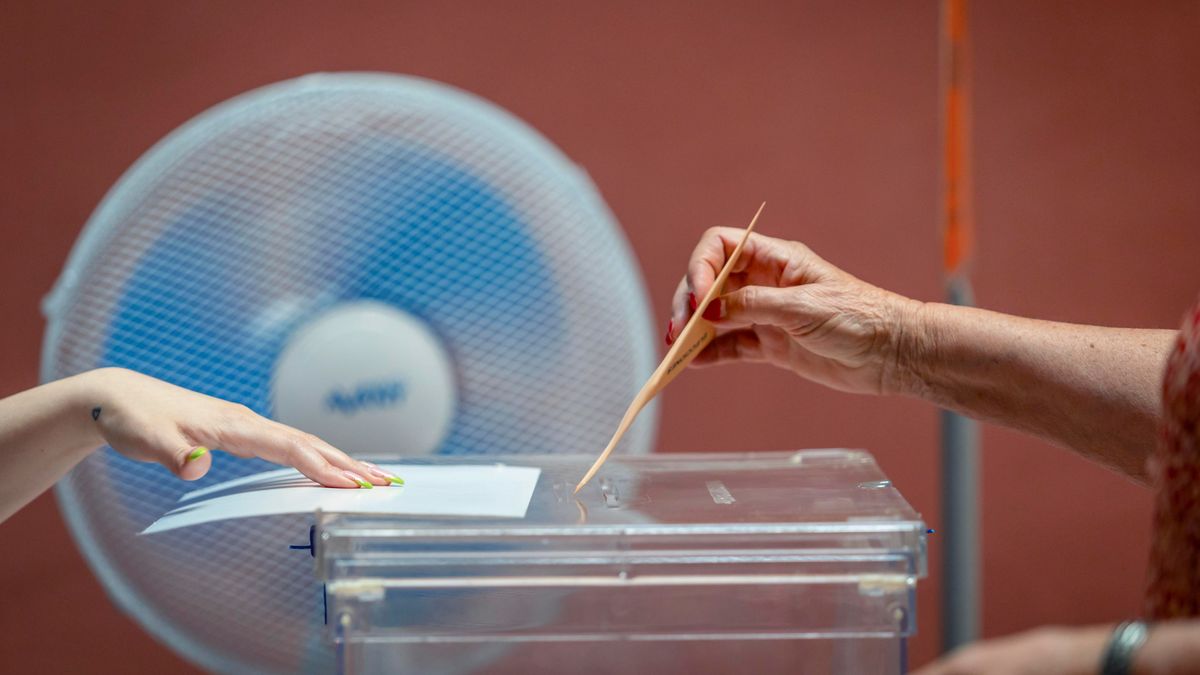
(489, 491)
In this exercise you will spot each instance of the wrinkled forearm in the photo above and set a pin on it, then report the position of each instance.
(1172, 649)
(1092, 389)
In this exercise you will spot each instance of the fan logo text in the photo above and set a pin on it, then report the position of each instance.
(367, 395)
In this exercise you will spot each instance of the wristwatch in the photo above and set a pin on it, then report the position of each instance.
(1126, 639)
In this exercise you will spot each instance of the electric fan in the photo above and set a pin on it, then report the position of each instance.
(389, 263)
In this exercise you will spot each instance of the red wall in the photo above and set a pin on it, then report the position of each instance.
(687, 115)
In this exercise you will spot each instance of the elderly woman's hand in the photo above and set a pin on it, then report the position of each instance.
(152, 421)
(785, 306)
(1042, 651)
(1093, 389)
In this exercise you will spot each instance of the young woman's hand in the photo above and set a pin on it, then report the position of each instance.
(46, 430)
(152, 421)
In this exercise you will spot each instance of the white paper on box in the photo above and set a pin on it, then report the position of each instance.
(488, 491)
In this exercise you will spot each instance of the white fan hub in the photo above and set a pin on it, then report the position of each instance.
(368, 378)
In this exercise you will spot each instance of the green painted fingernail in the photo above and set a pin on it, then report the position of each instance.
(364, 484)
(197, 453)
(395, 480)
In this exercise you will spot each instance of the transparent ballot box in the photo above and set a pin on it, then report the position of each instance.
(802, 562)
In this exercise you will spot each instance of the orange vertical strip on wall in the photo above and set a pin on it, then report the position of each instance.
(957, 226)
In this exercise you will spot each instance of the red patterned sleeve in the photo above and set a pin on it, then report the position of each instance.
(1173, 589)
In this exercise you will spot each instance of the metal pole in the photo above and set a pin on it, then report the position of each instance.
(960, 523)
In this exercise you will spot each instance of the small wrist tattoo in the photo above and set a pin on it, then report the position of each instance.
(96, 413)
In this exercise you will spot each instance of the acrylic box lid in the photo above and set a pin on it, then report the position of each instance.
(826, 513)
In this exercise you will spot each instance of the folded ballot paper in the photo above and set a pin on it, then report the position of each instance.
(489, 491)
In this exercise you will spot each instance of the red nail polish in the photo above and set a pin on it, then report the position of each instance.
(713, 311)
(670, 329)
(692, 301)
